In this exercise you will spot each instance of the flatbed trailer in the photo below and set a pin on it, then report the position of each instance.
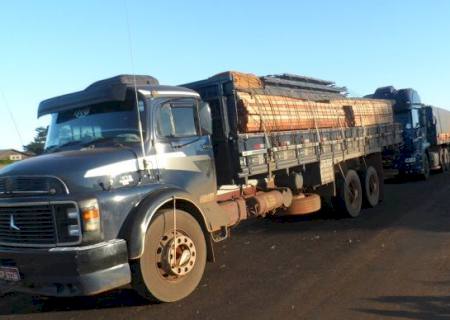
(318, 154)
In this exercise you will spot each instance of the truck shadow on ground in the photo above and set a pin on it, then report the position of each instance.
(387, 213)
(396, 179)
(27, 304)
(410, 307)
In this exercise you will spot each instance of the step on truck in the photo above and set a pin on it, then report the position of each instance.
(139, 180)
(426, 134)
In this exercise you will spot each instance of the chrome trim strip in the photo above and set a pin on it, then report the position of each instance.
(30, 192)
(89, 247)
(253, 152)
(23, 204)
(156, 93)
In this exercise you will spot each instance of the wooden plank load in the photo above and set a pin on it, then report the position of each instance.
(276, 113)
(290, 102)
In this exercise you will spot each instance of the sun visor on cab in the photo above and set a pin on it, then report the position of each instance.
(111, 89)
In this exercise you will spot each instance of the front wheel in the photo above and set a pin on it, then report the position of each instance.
(173, 261)
(445, 160)
(426, 168)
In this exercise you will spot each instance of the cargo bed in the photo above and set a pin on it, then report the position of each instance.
(284, 150)
(334, 129)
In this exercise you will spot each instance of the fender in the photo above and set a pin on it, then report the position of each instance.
(138, 220)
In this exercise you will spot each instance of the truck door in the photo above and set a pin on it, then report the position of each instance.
(184, 154)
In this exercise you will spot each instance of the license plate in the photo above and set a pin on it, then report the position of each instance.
(9, 274)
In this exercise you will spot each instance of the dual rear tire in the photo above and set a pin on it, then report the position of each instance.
(371, 187)
(355, 190)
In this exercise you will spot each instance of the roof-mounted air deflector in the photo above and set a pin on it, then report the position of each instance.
(111, 89)
(124, 79)
(388, 92)
(401, 96)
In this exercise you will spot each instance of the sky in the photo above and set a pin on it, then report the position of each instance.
(49, 48)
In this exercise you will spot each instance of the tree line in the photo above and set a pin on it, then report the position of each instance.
(36, 146)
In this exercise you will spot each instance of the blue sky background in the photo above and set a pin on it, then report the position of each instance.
(49, 48)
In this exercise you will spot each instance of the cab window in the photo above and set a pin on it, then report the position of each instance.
(178, 119)
(415, 118)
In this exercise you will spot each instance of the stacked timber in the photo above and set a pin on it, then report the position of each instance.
(259, 113)
(291, 102)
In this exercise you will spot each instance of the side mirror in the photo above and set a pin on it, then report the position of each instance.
(205, 118)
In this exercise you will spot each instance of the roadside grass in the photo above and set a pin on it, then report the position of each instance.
(4, 163)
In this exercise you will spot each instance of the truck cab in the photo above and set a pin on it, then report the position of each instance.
(119, 155)
(413, 156)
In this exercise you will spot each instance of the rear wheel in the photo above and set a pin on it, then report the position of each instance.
(371, 186)
(349, 197)
(173, 261)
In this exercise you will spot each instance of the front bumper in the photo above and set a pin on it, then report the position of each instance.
(68, 271)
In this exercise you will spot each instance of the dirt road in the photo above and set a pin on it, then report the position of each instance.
(393, 262)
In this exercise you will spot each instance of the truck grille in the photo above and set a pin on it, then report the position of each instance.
(27, 226)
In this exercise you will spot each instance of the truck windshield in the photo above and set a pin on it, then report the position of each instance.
(410, 119)
(104, 122)
(404, 118)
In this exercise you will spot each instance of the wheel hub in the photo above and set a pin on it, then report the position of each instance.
(353, 192)
(373, 185)
(176, 255)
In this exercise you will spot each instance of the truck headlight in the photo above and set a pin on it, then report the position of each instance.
(90, 215)
(67, 220)
(73, 228)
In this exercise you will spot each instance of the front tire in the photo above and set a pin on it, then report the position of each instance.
(172, 264)
(445, 160)
(426, 168)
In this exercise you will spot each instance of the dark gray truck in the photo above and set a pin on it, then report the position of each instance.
(139, 180)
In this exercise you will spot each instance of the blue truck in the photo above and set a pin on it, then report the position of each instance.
(426, 134)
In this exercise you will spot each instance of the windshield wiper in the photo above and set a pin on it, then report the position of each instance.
(59, 147)
(102, 140)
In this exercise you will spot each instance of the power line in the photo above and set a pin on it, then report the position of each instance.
(11, 116)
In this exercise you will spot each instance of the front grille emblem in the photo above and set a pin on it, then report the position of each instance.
(12, 224)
